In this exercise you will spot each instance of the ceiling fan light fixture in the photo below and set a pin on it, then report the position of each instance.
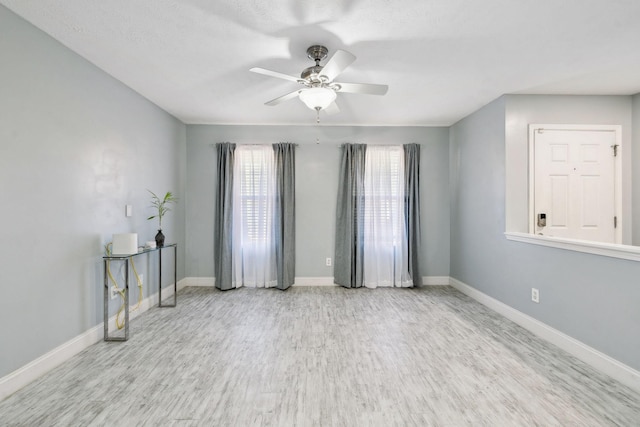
(317, 98)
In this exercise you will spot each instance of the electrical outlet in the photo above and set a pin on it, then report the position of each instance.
(114, 292)
(535, 295)
(328, 262)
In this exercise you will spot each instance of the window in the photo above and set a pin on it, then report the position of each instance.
(384, 194)
(255, 183)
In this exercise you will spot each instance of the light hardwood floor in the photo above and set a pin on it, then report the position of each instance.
(321, 357)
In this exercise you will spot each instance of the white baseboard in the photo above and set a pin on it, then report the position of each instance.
(328, 281)
(199, 281)
(610, 366)
(19, 378)
(313, 281)
(435, 280)
(299, 281)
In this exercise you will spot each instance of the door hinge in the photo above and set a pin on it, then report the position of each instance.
(615, 149)
(615, 222)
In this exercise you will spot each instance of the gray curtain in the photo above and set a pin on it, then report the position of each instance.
(348, 265)
(284, 221)
(222, 233)
(412, 208)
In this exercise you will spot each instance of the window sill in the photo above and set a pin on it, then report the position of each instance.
(605, 249)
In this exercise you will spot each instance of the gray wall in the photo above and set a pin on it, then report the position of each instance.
(316, 189)
(75, 147)
(591, 298)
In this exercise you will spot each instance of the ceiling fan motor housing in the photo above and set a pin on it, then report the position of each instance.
(316, 53)
(312, 74)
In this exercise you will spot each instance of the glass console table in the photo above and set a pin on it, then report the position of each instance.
(125, 259)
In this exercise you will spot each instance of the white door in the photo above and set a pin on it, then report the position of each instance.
(574, 184)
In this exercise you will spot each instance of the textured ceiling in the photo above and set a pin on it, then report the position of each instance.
(442, 59)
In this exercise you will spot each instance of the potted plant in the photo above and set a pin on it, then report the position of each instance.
(162, 206)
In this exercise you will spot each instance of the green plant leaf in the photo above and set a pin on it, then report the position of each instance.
(161, 205)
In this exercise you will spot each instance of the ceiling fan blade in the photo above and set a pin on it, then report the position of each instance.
(332, 109)
(337, 64)
(275, 74)
(283, 98)
(362, 88)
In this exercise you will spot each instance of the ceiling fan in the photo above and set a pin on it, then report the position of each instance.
(320, 90)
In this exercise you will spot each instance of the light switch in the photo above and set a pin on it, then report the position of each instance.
(128, 210)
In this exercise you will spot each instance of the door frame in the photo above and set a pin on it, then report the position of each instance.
(617, 168)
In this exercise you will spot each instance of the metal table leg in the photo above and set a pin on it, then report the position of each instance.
(126, 303)
(175, 278)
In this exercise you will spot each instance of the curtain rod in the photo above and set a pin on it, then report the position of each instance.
(214, 144)
(318, 143)
(386, 145)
